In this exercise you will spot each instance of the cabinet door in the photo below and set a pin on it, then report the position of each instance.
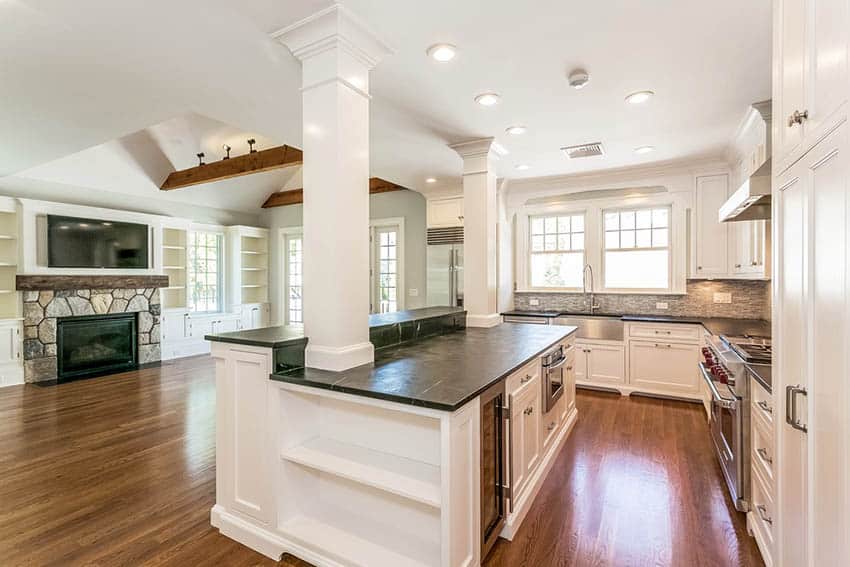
(666, 367)
(570, 382)
(606, 364)
(9, 337)
(826, 65)
(445, 212)
(525, 434)
(580, 370)
(711, 234)
(747, 241)
(227, 325)
(175, 326)
(789, 85)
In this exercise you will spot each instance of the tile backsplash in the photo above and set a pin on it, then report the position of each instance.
(750, 300)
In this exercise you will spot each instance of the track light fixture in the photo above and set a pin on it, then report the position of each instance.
(200, 158)
(226, 148)
(251, 142)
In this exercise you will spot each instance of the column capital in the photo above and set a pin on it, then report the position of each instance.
(335, 27)
(477, 155)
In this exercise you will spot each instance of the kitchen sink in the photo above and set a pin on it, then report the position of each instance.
(598, 327)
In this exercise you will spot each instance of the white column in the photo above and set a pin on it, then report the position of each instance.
(479, 232)
(337, 52)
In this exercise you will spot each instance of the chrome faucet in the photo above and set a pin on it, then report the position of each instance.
(593, 305)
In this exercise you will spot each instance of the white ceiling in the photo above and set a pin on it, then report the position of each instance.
(77, 81)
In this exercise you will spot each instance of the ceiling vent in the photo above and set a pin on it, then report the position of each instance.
(584, 150)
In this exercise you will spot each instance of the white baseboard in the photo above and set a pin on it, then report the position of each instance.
(337, 359)
(515, 518)
(626, 390)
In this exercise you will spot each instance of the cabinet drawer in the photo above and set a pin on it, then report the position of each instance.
(762, 516)
(690, 333)
(762, 409)
(664, 366)
(522, 376)
(763, 452)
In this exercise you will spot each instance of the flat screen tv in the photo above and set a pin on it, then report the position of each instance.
(90, 243)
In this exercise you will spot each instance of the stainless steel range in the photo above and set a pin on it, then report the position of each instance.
(724, 370)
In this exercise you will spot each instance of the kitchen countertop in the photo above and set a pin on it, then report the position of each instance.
(442, 372)
(269, 337)
(714, 325)
(382, 319)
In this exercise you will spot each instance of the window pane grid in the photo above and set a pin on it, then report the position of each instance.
(637, 248)
(295, 306)
(204, 274)
(639, 229)
(557, 251)
(388, 271)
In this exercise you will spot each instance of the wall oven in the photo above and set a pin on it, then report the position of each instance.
(552, 381)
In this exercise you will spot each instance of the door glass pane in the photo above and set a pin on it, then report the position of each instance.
(387, 281)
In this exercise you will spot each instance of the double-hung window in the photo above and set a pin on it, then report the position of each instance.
(294, 282)
(205, 272)
(556, 251)
(637, 249)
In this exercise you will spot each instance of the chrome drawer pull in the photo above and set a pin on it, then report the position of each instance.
(763, 405)
(763, 454)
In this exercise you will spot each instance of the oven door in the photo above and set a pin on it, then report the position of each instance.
(553, 384)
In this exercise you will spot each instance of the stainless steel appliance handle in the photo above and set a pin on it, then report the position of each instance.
(558, 364)
(791, 417)
(724, 403)
(506, 415)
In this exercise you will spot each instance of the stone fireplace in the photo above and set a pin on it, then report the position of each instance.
(42, 309)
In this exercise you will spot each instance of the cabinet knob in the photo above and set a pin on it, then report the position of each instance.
(754, 264)
(526, 379)
(529, 410)
(551, 426)
(737, 265)
(699, 267)
(797, 117)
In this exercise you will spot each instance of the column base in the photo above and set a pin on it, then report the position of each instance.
(483, 321)
(337, 359)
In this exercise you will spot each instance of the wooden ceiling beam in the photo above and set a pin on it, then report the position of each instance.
(263, 160)
(296, 196)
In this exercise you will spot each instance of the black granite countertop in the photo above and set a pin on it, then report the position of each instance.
(382, 319)
(442, 372)
(269, 337)
(714, 325)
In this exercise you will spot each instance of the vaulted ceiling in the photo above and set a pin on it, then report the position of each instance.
(140, 87)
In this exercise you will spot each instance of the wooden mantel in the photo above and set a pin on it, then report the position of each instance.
(264, 160)
(296, 196)
(45, 283)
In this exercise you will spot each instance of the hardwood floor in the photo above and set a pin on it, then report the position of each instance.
(120, 470)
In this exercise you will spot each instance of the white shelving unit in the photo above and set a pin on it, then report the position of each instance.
(248, 261)
(174, 259)
(9, 308)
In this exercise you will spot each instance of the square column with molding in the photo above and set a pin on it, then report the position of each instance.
(479, 232)
(336, 51)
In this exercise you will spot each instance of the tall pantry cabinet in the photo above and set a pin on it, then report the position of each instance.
(811, 211)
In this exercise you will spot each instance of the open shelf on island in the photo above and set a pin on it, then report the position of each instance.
(411, 479)
(347, 546)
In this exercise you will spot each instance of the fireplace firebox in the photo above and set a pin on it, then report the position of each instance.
(94, 345)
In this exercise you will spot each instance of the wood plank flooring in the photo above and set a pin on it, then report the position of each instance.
(120, 470)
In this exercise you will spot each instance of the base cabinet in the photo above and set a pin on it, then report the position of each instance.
(525, 434)
(11, 358)
(664, 366)
(600, 363)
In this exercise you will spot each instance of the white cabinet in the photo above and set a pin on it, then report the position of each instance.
(810, 73)
(600, 363)
(11, 365)
(664, 366)
(525, 433)
(444, 213)
(254, 316)
(811, 390)
(710, 235)
(749, 249)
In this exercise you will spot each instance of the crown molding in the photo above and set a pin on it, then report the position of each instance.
(335, 27)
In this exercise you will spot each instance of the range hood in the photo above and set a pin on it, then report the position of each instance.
(752, 200)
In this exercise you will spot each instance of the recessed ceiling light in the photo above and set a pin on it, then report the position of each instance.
(644, 149)
(522, 166)
(639, 97)
(578, 78)
(430, 180)
(488, 99)
(442, 52)
(516, 130)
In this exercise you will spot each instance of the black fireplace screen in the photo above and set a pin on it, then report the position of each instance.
(95, 345)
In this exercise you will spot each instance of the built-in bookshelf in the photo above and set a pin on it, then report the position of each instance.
(174, 266)
(8, 258)
(250, 265)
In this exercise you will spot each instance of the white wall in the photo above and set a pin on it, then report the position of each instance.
(407, 204)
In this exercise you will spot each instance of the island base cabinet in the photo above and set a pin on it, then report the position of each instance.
(664, 367)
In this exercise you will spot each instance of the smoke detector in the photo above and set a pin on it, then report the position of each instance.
(578, 78)
(584, 150)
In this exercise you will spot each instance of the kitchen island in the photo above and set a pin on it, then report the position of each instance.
(422, 458)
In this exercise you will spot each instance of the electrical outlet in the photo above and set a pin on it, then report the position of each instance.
(722, 298)
(662, 305)
(413, 292)
(534, 302)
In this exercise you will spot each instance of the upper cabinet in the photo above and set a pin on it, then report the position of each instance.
(443, 213)
(810, 74)
(711, 235)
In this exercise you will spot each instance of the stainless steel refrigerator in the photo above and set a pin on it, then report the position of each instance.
(445, 274)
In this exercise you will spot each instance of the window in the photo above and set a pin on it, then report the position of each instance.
(637, 249)
(557, 251)
(205, 272)
(387, 283)
(294, 281)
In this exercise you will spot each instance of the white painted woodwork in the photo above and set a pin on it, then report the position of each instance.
(480, 246)
(667, 366)
(605, 363)
(813, 329)
(666, 332)
(336, 52)
(11, 352)
(443, 213)
(525, 433)
(247, 253)
(711, 236)
(183, 332)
